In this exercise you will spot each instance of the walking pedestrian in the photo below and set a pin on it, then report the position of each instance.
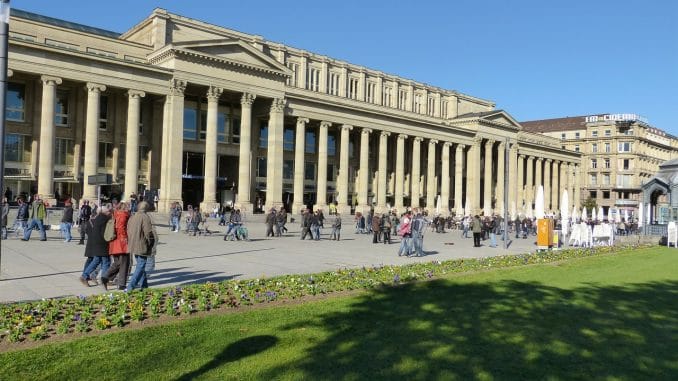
(315, 226)
(336, 227)
(494, 228)
(417, 231)
(305, 224)
(83, 218)
(270, 221)
(141, 242)
(3, 219)
(38, 212)
(376, 229)
(21, 217)
(119, 250)
(97, 246)
(405, 232)
(386, 229)
(67, 221)
(477, 228)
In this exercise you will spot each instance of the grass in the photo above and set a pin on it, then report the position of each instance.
(611, 317)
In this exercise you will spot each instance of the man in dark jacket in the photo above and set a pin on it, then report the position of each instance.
(38, 214)
(67, 221)
(3, 220)
(142, 240)
(97, 246)
(305, 224)
(83, 218)
(270, 221)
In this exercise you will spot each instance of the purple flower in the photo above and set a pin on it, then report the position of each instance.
(396, 279)
(76, 317)
(429, 274)
(311, 280)
(171, 293)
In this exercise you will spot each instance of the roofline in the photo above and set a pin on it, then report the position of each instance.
(14, 12)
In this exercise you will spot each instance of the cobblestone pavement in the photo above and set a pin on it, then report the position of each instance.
(34, 270)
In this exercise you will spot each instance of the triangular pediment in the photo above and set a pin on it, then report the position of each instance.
(229, 51)
(495, 117)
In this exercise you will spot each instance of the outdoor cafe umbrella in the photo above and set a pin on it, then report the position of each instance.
(601, 215)
(564, 210)
(594, 214)
(626, 216)
(640, 215)
(574, 214)
(513, 210)
(584, 215)
(539, 203)
(617, 217)
(438, 205)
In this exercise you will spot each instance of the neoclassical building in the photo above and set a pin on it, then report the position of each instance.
(204, 114)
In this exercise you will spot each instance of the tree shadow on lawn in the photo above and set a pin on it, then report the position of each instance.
(233, 352)
(501, 330)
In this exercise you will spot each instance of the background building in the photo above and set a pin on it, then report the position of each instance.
(204, 114)
(620, 152)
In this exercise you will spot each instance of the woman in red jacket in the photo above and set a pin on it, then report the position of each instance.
(118, 249)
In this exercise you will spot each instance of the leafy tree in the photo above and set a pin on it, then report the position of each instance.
(590, 203)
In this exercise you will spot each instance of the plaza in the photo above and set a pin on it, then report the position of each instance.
(35, 270)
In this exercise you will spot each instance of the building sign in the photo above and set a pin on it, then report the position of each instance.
(615, 117)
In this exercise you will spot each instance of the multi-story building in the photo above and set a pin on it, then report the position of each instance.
(620, 152)
(206, 114)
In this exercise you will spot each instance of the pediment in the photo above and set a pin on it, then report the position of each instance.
(502, 117)
(494, 117)
(228, 51)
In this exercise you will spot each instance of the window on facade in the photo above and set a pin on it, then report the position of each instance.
(143, 157)
(330, 172)
(61, 109)
(417, 103)
(606, 179)
(331, 145)
(16, 102)
(122, 155)
(594, 147)
(594, 179)
(607, 163)
(141, 120)
(576, 148)
(607, 147)
(353, 88)
(594, 163)
(261, 166)
(313, 79)
(288, 169)
(103, 112)
(223, 120)
(593, 194)
(386, 96)
(190, 123)
(402, 98)
(594, 133)
(15, 148)
(624, 147)
(608, 133)
(626, 164)
(443, 109)
(105, 155)
(334, 83)
(63, 151)
(624, 181)
(562, 136)
(576, 135)
(263, 136)
(310, 142)
(606, 195)
(431, 106)
(309, 171)
(371, 92)
(235, 127)
(288, 139)
(292, 80)
(350, 149)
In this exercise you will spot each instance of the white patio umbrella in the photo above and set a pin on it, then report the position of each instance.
(640, 215)
(601, 214)
(584, 215)
(574, 214)
(539, 203)
(648, 213)
(626, 215)
(564, 210)
(438, 201)
(617, 217)
(594, 214)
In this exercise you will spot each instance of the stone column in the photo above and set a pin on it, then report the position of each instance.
(563, 180)
(363, 206)
(274, 154)
(210, 184)
(416, 174)
(400, 173)
(520, 201)
(132, 142)
(547, 186)
(458, 178)
(321, 195)
(342, 186)
(577, 187)
(473, 177)
(555, 196)
(538, 178)
(513, 180)
(431, 177)
(244, 202)
(445, 180)
(91, 139)
(170, 191)
(529, 188)
(299, 162)
(570, 184)
(487, 194)
(381, 182)
(499, 193)
(46, 158)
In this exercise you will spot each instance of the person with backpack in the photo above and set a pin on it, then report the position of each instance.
(118, 249)
(38, 214)
(386, 228)
(96, 249)
(405, 232)
(142, 240)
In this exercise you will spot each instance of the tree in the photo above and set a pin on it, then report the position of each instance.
(590, 204)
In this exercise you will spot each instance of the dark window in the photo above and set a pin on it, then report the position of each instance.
(16, 102)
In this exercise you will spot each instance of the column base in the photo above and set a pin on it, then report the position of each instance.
(296, 208)
(344, 210)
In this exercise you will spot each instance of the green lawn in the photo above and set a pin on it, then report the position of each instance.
(611, 317)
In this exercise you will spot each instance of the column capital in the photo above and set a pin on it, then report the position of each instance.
(522, 156)
(177, 86)
(346, 127)
(402, 136)
(365, 130)
(447, 144)
(213, 93)
(502, 145)
(477, 140)
(385, 134)
(540, 159)
(278, 105)
(530, 158)
(418, 139)
(95, 87)
(325, 124)
(247, 99)
(433, 142)
(302, 121)
(49, 80)
(489, 143)
(135, 94)
(549, 160)
(461, 146)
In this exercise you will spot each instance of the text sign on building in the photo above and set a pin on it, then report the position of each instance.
(615, 117)
(100, 179)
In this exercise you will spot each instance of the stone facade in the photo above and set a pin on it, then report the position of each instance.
(206, 115)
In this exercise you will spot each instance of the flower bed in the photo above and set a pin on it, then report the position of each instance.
(39, 320)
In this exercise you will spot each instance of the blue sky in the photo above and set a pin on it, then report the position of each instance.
(535, 59)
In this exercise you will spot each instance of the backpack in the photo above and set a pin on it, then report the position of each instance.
(109, 231)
